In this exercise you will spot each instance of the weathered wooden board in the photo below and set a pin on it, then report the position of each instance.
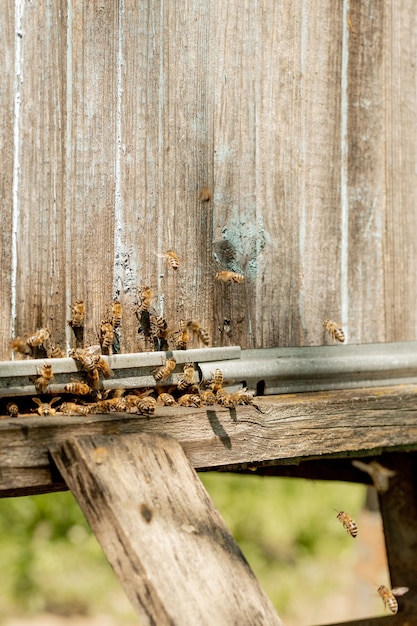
(167, 543)
(299, 118)
(286, 429)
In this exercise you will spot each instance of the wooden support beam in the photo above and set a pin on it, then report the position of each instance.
(285, 429)
(160, 531)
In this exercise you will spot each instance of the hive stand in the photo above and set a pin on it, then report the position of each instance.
(134, 479)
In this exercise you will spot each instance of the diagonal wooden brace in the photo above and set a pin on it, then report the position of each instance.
(159, 529)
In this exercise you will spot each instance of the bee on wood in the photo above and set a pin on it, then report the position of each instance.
(226, 399)
(87, 357)
(104, 367)
(388, 596)
(45, 377)
(146, 405)
(216, 380)
(55, 352)
(187, 378)
(116, 314)
(45, 408)
(77, 387)
(190, 399)
(166, 399)
(229, 277)
(182, 336)
(334, 330)
(22, 346)
(165, 370)
(160, 332)
(106, 336)
(146, 295)
(77, 314)
(172, 258)
(243, 396)
(208, 398)
(12, 410)
(204, 195)
(72, 408)
(198, 330)
(348, 524)
(380, 475)
(38, 338)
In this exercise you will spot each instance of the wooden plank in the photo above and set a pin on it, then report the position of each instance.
(168, 545)
(286, 429)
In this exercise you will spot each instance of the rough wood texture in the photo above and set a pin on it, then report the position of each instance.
(287, 429)
(160, 531)
(298, 116)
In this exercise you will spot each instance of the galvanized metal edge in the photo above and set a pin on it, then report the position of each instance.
(265, 371)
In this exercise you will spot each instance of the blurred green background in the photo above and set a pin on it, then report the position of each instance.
(287, 528)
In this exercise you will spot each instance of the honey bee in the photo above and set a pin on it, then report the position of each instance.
(348, 524)
(106, 337)
(380, 475)
(21, 345)
(45, 377)
(229, 277)
(208, 398)
(165, 370)
(166, 399)
(104, 367)
(94, 379)
(77, 387)
(146, 405)
(146, 295)
(187, 377)
(55, 352)
(183, 336)
(388, 596)
(198, 330)
(72, 408)
(38, 338)
(190, 399)
(160, 332)
(334, 331)
(77, 314)
(12, 409)
(226, 399)
(116, 313)
(243, 396)
(172, 258)
(45, 408)
(216, 380)
(88, 357)
(205, 195)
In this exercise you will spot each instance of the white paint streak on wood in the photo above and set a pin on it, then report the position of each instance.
(344, 193)
(18, 69)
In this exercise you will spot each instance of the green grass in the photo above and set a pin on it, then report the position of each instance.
(286, 528)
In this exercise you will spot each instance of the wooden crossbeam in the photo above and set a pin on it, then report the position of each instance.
(284, 429)
(160, 531)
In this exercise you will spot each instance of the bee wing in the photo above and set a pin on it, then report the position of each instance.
(93, 350)
(399, 591)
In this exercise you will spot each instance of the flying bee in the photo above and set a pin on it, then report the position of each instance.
(45, 408)
(334, 330)
(45, 377)
(190, 399)
(12, 409)
(204, 195)
(116, 313)
(208, 398)
(380, 475)
(77, 387)
(182, 336)
(229, 277)
(187, 378)
(172, 258)
(77, 314)
(216, 382)
(55, 352)
(166, 399)
(388, 596)
(22, 346)
(165, 370)
(38, 338)
(348, 524)
(198, 330)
